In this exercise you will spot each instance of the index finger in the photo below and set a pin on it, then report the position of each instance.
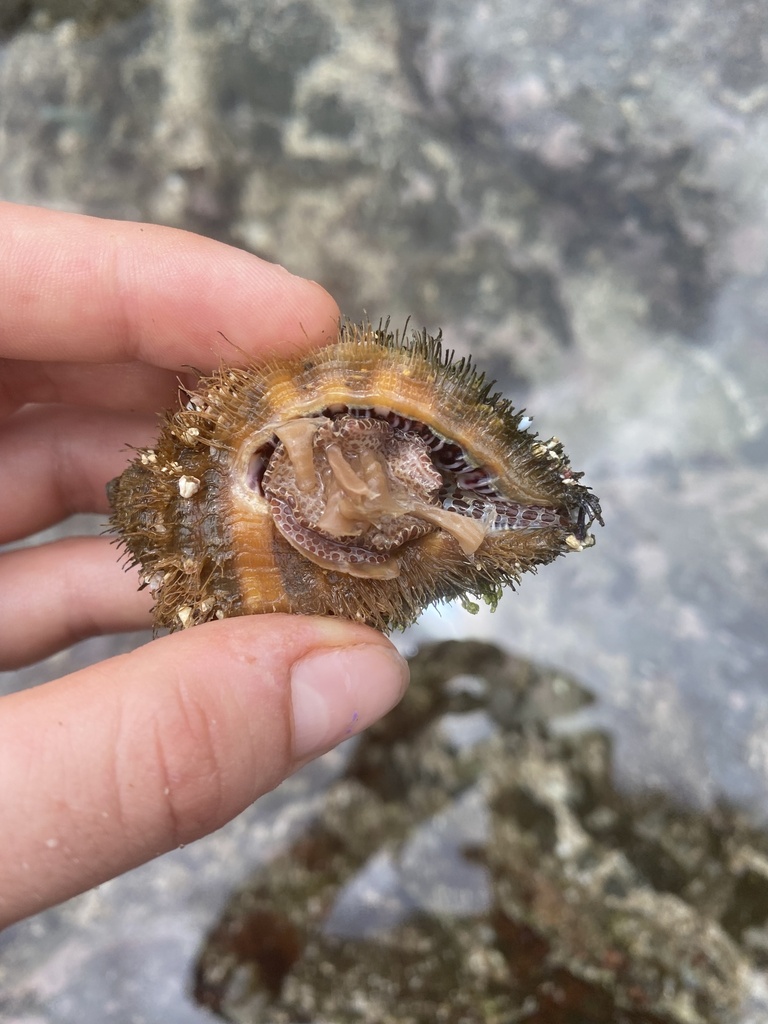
(77, 288)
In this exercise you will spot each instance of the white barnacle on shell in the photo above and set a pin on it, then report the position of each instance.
(154, 581)
(190, 436)
(188, 486)
(185, 615)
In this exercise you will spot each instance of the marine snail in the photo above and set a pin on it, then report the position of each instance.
(366, 479)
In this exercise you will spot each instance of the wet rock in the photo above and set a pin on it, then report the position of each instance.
(497, 879)
(89, 15)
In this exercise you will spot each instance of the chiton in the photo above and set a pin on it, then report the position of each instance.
(367, 479)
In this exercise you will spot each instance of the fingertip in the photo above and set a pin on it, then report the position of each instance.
(338, 692)
(83, 289)
(246, 701)
(128, 759)
(328, 677)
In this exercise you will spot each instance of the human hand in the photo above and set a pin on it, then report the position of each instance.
(113, 765)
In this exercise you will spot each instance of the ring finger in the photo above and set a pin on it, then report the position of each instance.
(55, 594)
(56, 460)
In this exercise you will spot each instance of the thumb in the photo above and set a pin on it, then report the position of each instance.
(111, 766)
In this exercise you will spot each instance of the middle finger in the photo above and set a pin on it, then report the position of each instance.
(135, 387)
(56, 460)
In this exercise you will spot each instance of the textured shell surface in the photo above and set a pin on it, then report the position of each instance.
(367, 479)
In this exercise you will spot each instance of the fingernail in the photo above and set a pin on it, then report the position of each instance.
(338, 692)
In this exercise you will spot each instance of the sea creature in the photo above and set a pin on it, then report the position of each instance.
(366, 479)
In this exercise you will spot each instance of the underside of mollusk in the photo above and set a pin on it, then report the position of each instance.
(367, 479)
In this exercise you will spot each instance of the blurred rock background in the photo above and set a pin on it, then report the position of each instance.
(573, 190)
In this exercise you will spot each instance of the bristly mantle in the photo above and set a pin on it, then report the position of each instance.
(366, 479)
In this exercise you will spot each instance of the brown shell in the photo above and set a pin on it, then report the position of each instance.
(192, 514)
